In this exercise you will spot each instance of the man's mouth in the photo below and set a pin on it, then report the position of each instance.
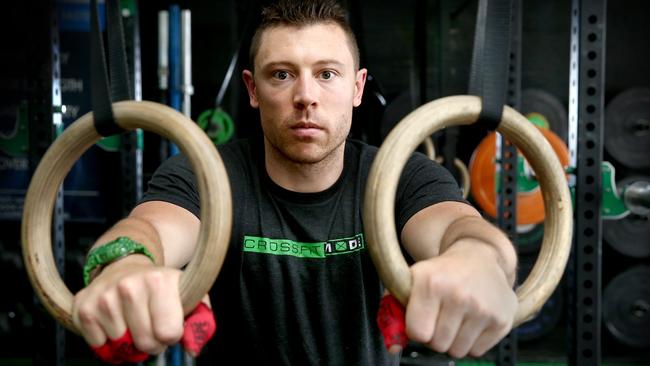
(306, 130)
(306, 125)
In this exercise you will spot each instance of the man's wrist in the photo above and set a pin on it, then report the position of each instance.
(111, 252)
(127, 261)
(475, 228)
(483, 249)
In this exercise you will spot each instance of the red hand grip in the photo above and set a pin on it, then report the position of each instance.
(200, 326)
(390, 319)
(116, 351)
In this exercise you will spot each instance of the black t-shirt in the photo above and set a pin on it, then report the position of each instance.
(298, 286)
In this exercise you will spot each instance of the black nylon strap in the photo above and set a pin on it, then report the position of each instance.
(489, 71)
(120, 85)
(101, 95)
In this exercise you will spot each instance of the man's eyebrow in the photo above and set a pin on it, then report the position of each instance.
(330, 62)
(279, 64)
(276, 64)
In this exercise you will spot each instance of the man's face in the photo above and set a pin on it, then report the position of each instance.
(305, 86)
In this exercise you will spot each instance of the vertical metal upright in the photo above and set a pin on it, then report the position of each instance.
(507, 194)
(586, 111)
(58, 232)
(131, 142)
(421, 47)
(45, 122)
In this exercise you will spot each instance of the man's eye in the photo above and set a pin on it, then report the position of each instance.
(281, 75)
(327, 75)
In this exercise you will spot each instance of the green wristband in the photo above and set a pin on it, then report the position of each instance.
(112, 251)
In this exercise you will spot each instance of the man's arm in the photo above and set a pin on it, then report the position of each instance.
(168, 231)
(462, 299)
(132, 293)
(433, 230)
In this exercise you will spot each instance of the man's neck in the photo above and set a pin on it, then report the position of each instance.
(304, 177)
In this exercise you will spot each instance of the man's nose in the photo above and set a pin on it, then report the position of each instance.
(305, 93)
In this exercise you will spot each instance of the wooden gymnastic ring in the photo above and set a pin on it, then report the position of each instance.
(386, 169)
(211, 177)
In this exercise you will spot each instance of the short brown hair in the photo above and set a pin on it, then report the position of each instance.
(300, 13)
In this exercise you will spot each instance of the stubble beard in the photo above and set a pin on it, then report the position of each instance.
(289, 150)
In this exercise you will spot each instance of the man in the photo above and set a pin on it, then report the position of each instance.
(298, 286)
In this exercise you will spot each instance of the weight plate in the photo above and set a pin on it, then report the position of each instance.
(550, 313)
(403, 104)
(371, 110)
(630, 235)
(549, 107)
(627, 128)
(529, 238)
(626, 307)
(530, 205)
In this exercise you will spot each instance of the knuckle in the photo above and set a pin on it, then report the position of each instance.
(168, 334)
(417, 334)
(441, 340)
(481, 314)
(473, 304)
(154, 279)
(438, 345)
(477, 352)
(463, 299)
(86, 315)
(457, 352)
(501, 323)
(148, 345)
(127, 289)
(433, 284)
(105, 304)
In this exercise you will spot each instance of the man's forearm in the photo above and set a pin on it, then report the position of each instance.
(138, 230)
(477, 229)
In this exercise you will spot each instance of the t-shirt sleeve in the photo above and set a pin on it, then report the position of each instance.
(423, 183)
(174, 182)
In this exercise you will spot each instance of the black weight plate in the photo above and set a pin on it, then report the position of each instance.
(529, 238)
(626, 307)
(546, 104)
(550, 313)
(627, 128)
(403, 104)
(630, 235)
(372, 108)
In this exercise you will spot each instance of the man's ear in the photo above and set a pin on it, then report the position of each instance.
(249, 80)
(359, 83)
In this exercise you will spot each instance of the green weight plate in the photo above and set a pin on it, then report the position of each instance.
(14, 134)
(630, 235)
